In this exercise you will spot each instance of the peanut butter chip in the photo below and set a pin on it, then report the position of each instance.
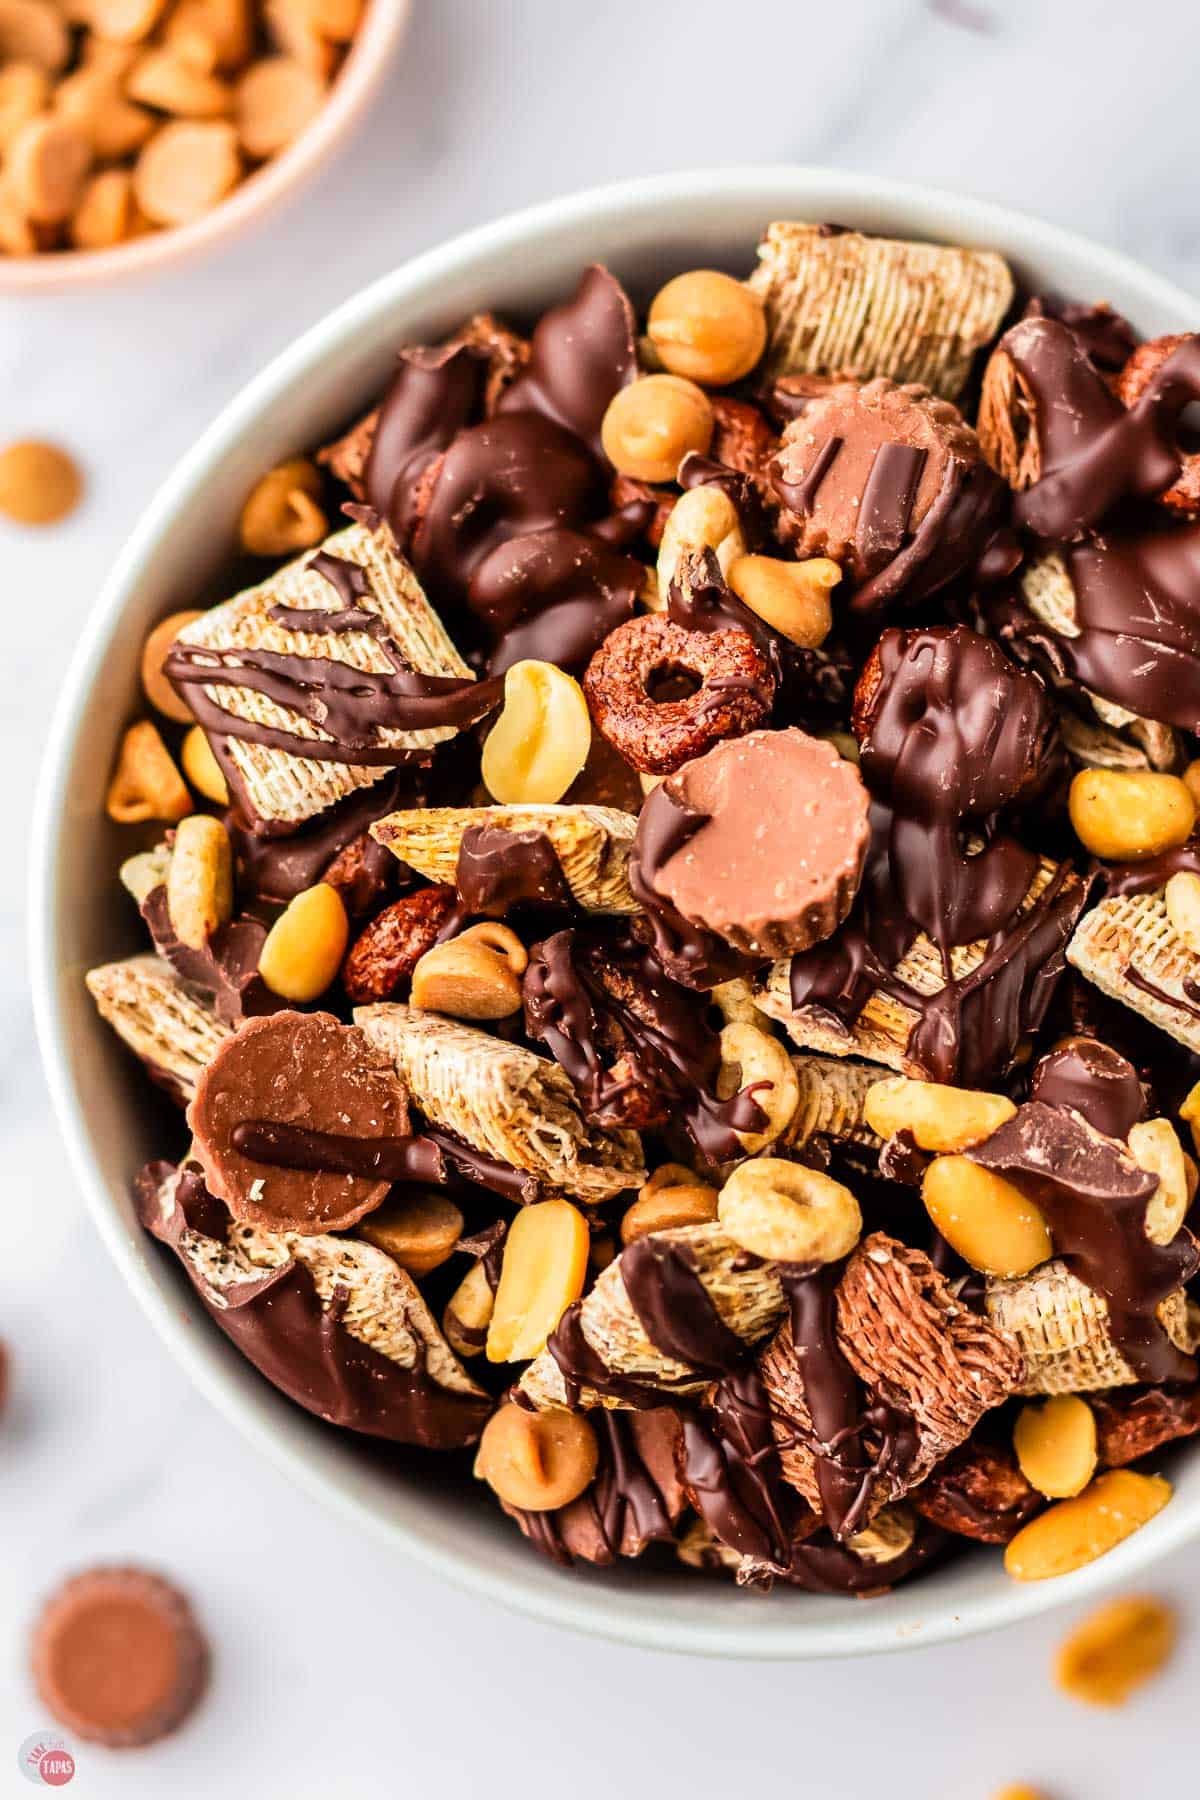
(185, 170)
(39, 483)
(125, 21)
(276, 99)
(48, 161)
(24, 91)
(165, 80)
(105, 215)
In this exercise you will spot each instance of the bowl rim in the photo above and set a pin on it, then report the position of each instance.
(574, 1604)
(350, 94)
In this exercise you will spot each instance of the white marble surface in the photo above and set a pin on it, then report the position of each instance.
(339, 1670)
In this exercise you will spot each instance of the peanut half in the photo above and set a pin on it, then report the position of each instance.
(1117, 1648)
(792, 597)
(1055, 1442)
(536, 1461)
(1075, 1532)
(703, 518)
(155, 686)
(469, 1312)
(544, 1267)
(941, 1119)
(418, 1230)
(985, 1218)
(281, 514)
(39, 483)
(1154, 1146)
(1182, 901)
(786, 1212)
(146, 784)
(541, 739)
(668, 1207)
(202, 768)
(305, 946)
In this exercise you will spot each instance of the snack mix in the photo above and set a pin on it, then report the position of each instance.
(674, 922)
(122, 117)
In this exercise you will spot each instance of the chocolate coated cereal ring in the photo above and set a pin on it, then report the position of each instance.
(1183, 495)
(734, 691)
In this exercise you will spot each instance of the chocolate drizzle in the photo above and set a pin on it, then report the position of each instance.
(674, 1307)
(227, 966)
(732, 1469)
(583, 1368)
(409, 1158)
(1094, 1199)
(584, 998)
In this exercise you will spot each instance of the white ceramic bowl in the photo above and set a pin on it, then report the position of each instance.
(644, 230)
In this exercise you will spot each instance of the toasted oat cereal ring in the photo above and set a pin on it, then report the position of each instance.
(1184, 494)
(633, 685)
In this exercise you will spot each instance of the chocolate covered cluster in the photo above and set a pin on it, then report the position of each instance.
(679, 944)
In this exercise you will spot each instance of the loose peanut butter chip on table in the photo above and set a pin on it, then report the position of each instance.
(185, 169)
(39, 483)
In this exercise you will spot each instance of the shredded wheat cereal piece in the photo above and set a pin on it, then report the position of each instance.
(591, 843)
(163, 1021)
(1061, 1326)
(1130, 935)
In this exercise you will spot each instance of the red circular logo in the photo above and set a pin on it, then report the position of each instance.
(56, 1767)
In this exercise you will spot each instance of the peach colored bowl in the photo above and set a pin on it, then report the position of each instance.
(358, 81)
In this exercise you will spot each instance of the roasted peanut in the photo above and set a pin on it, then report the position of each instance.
(276, 99)
(788, 1213)
(703, 518)
(1191, 776)
(200, 880)
(1182, 901)
(39, 483)
(473, 976)
(469, 1312)
(792, 597)
(536, 1461)
(155, 686)
(146, 784)
(418, 1230)
(939, 1118)
(1115, 1649)
(1189, 1112)
(668, 1207)
(541, 739)
(734, 1000)
(106, 213)
(1075, 1532)
(652, 424)
(46, 167)
(305, 946)
(1154, 1147)
(202, 768)
(185, 169)
(1126, 815)
(24, 93)
(707, 326)
(167, 81)
(34, 31)
(1055, 1442)
(751, 1057)
(888, 1536)
(281, 514)
(985, 1218)
(544, 1267)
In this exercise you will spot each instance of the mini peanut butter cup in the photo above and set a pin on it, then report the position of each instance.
(296, 1078)
(776, 859)
(118, 1656)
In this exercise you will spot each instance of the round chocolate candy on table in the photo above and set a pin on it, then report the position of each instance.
(118, 1656)
(772, 836)
(276, 1093)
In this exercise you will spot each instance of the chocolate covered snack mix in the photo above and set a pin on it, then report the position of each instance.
(673, 926)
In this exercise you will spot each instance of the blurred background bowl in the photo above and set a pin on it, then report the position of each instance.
(644, 230)
(356, 85)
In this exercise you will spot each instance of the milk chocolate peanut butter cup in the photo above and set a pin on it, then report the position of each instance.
(285, 1082)
(118, 1656)
(780, 840)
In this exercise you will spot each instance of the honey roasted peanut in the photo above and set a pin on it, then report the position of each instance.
(708, 327)
(652, 424)
(1182, 901)
(536, 1461)
(469, 1312)
(418, 1230)
(202, 768)
(475, 975)
(703, 518)
(1075, 1532)
(1115, 1650)
(1154, 1146)
(939, 1118)
(544, 1266)
(157, 689)
(985, 1218)
(792, 597)
(304, 948)
(1127, 815)
(541, 739)
(668, 1207)
(788, 1213)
